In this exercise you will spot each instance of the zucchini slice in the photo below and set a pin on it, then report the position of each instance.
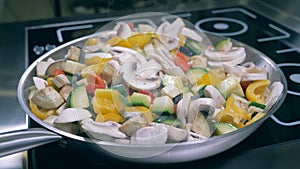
(230, 86)
(163, 105)
(223, 128)
(194, 47)
(139, 99)
(224, 45)
(194, 74)
(79, 97)
(168, 119)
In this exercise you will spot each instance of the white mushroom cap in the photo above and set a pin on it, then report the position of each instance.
(156, 134)
(72, 114)
(106, 131)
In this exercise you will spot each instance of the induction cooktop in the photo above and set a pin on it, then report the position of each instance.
(237, 22)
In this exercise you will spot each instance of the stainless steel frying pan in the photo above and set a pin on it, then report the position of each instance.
(167, 153)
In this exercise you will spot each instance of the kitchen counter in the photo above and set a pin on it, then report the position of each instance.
(13, 64)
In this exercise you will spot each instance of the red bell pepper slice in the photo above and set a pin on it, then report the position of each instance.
(181, 61)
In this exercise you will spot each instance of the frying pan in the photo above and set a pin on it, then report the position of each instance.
(17, 141)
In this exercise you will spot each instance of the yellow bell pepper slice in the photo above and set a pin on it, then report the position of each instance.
(107, 101)
(96, 60)
(97, 68)
(258, 116)
(255, 90)
(92, 42)
(216, 76)
(138, 40)
(205, 79)
(109, 117)
(41, 114)
(233, 113)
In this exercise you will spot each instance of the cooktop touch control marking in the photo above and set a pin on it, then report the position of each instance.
(244, 11)
(284, 36)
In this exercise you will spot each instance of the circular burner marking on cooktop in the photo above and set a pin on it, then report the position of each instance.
(293, 76)
(222, 26)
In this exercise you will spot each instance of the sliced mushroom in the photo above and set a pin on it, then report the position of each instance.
(65, 91)
(168, 33)
(156, 134)
(106, 131)
(39, 83)
(213, 93)
(72, 114)
(143, 78)
(232, 57)
(196, 137)
(133, 124)
(47, 98)
(60, 80)
(232, 54)
(191, 34)
(217, 64)
(162, 28)
(123, 30)
(198, 105)
(177, 135)
(182, 109)
(145, 28)
(58, 64)
(254, 76)
(275, 91)
(126, 52)
(42, 67)
(253, 73)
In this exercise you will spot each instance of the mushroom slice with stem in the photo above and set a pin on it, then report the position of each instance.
(106, 131)
(198, 105)
(201, 124)
(182, 108)
(212, 92)
(252, 72)
(146, 77)
(128, 52)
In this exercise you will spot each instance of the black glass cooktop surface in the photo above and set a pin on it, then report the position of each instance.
(238, 23)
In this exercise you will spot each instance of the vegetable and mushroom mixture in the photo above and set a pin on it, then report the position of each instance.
(137, 84)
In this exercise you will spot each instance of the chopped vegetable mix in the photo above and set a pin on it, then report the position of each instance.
(137, 81)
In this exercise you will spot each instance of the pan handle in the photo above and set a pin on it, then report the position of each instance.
(17, 141)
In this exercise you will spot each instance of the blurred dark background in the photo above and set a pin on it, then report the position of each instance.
(20, 10)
